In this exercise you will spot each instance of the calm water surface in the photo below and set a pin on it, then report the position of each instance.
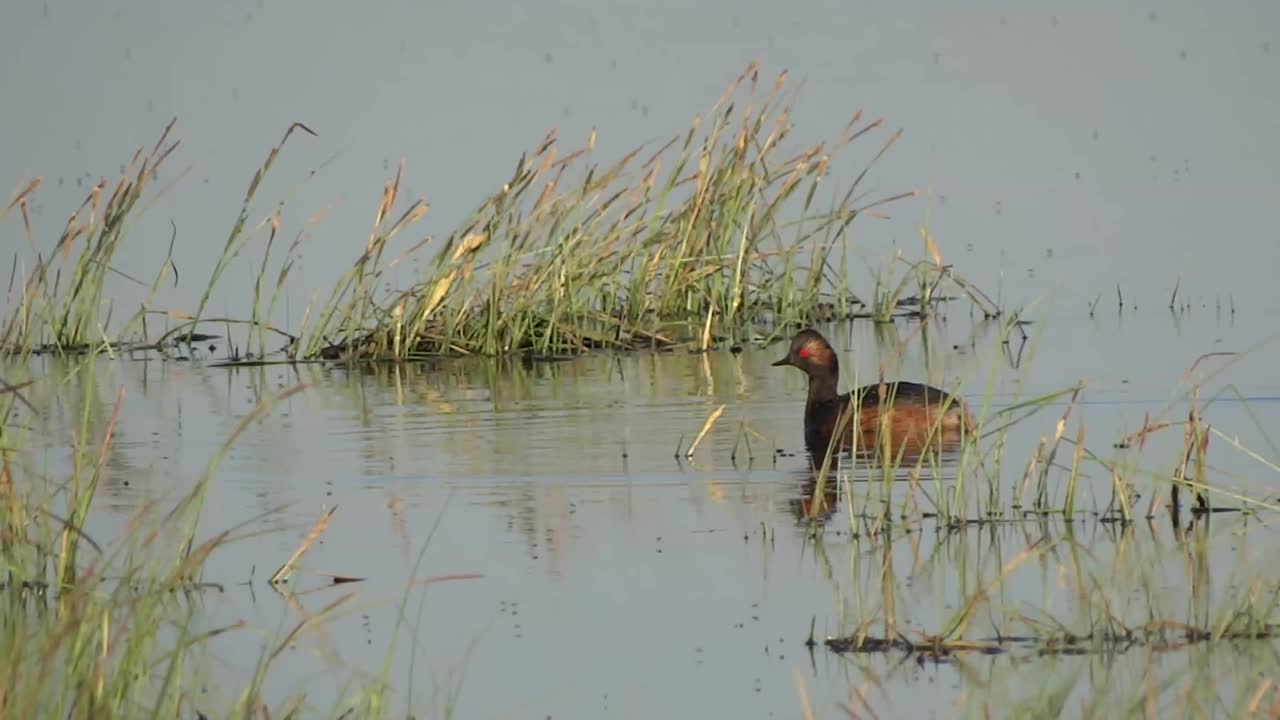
(603, 577)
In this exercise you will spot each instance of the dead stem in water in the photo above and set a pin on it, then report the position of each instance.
(321, 524)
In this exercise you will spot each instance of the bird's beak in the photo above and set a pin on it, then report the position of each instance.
(783, 361)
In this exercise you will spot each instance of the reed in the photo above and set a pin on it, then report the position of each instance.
(882, 487)
(113, 627)
(1102, 601)
(92, 628)
(724, 228)
(1114, 590)
(57, 302)
(711, 232)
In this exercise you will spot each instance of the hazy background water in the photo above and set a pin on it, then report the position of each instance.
(1134, 143)
(1061, 150)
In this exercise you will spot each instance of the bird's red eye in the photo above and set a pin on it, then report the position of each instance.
(804, 352)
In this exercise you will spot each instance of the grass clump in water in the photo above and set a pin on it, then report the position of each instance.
(715, 231)
(697, 241)
(61, 307)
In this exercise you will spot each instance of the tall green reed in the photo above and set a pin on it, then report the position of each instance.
(59, 300)
(94, 627)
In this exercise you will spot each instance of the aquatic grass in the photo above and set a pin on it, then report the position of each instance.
(236, 239)
(58, 302)
(101, 627)
(696, 256)
(888, 465)
(1054, 476)
(929, 277)
(626, 256)
(1106, 589)
(1108, 624)
(697, 241)
(948, 503)
(97, 627)
(87, 623)
(1108, 621)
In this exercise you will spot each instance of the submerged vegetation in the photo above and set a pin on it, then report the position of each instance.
(1139, 550)
(1143, 544)
(1060, 619)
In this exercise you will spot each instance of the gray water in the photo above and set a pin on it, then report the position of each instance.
(1060, 151)
(1135, 145)
(589, 572)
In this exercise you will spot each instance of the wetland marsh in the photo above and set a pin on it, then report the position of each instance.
(294, 429)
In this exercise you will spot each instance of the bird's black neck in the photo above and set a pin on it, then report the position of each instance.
(823, 387)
